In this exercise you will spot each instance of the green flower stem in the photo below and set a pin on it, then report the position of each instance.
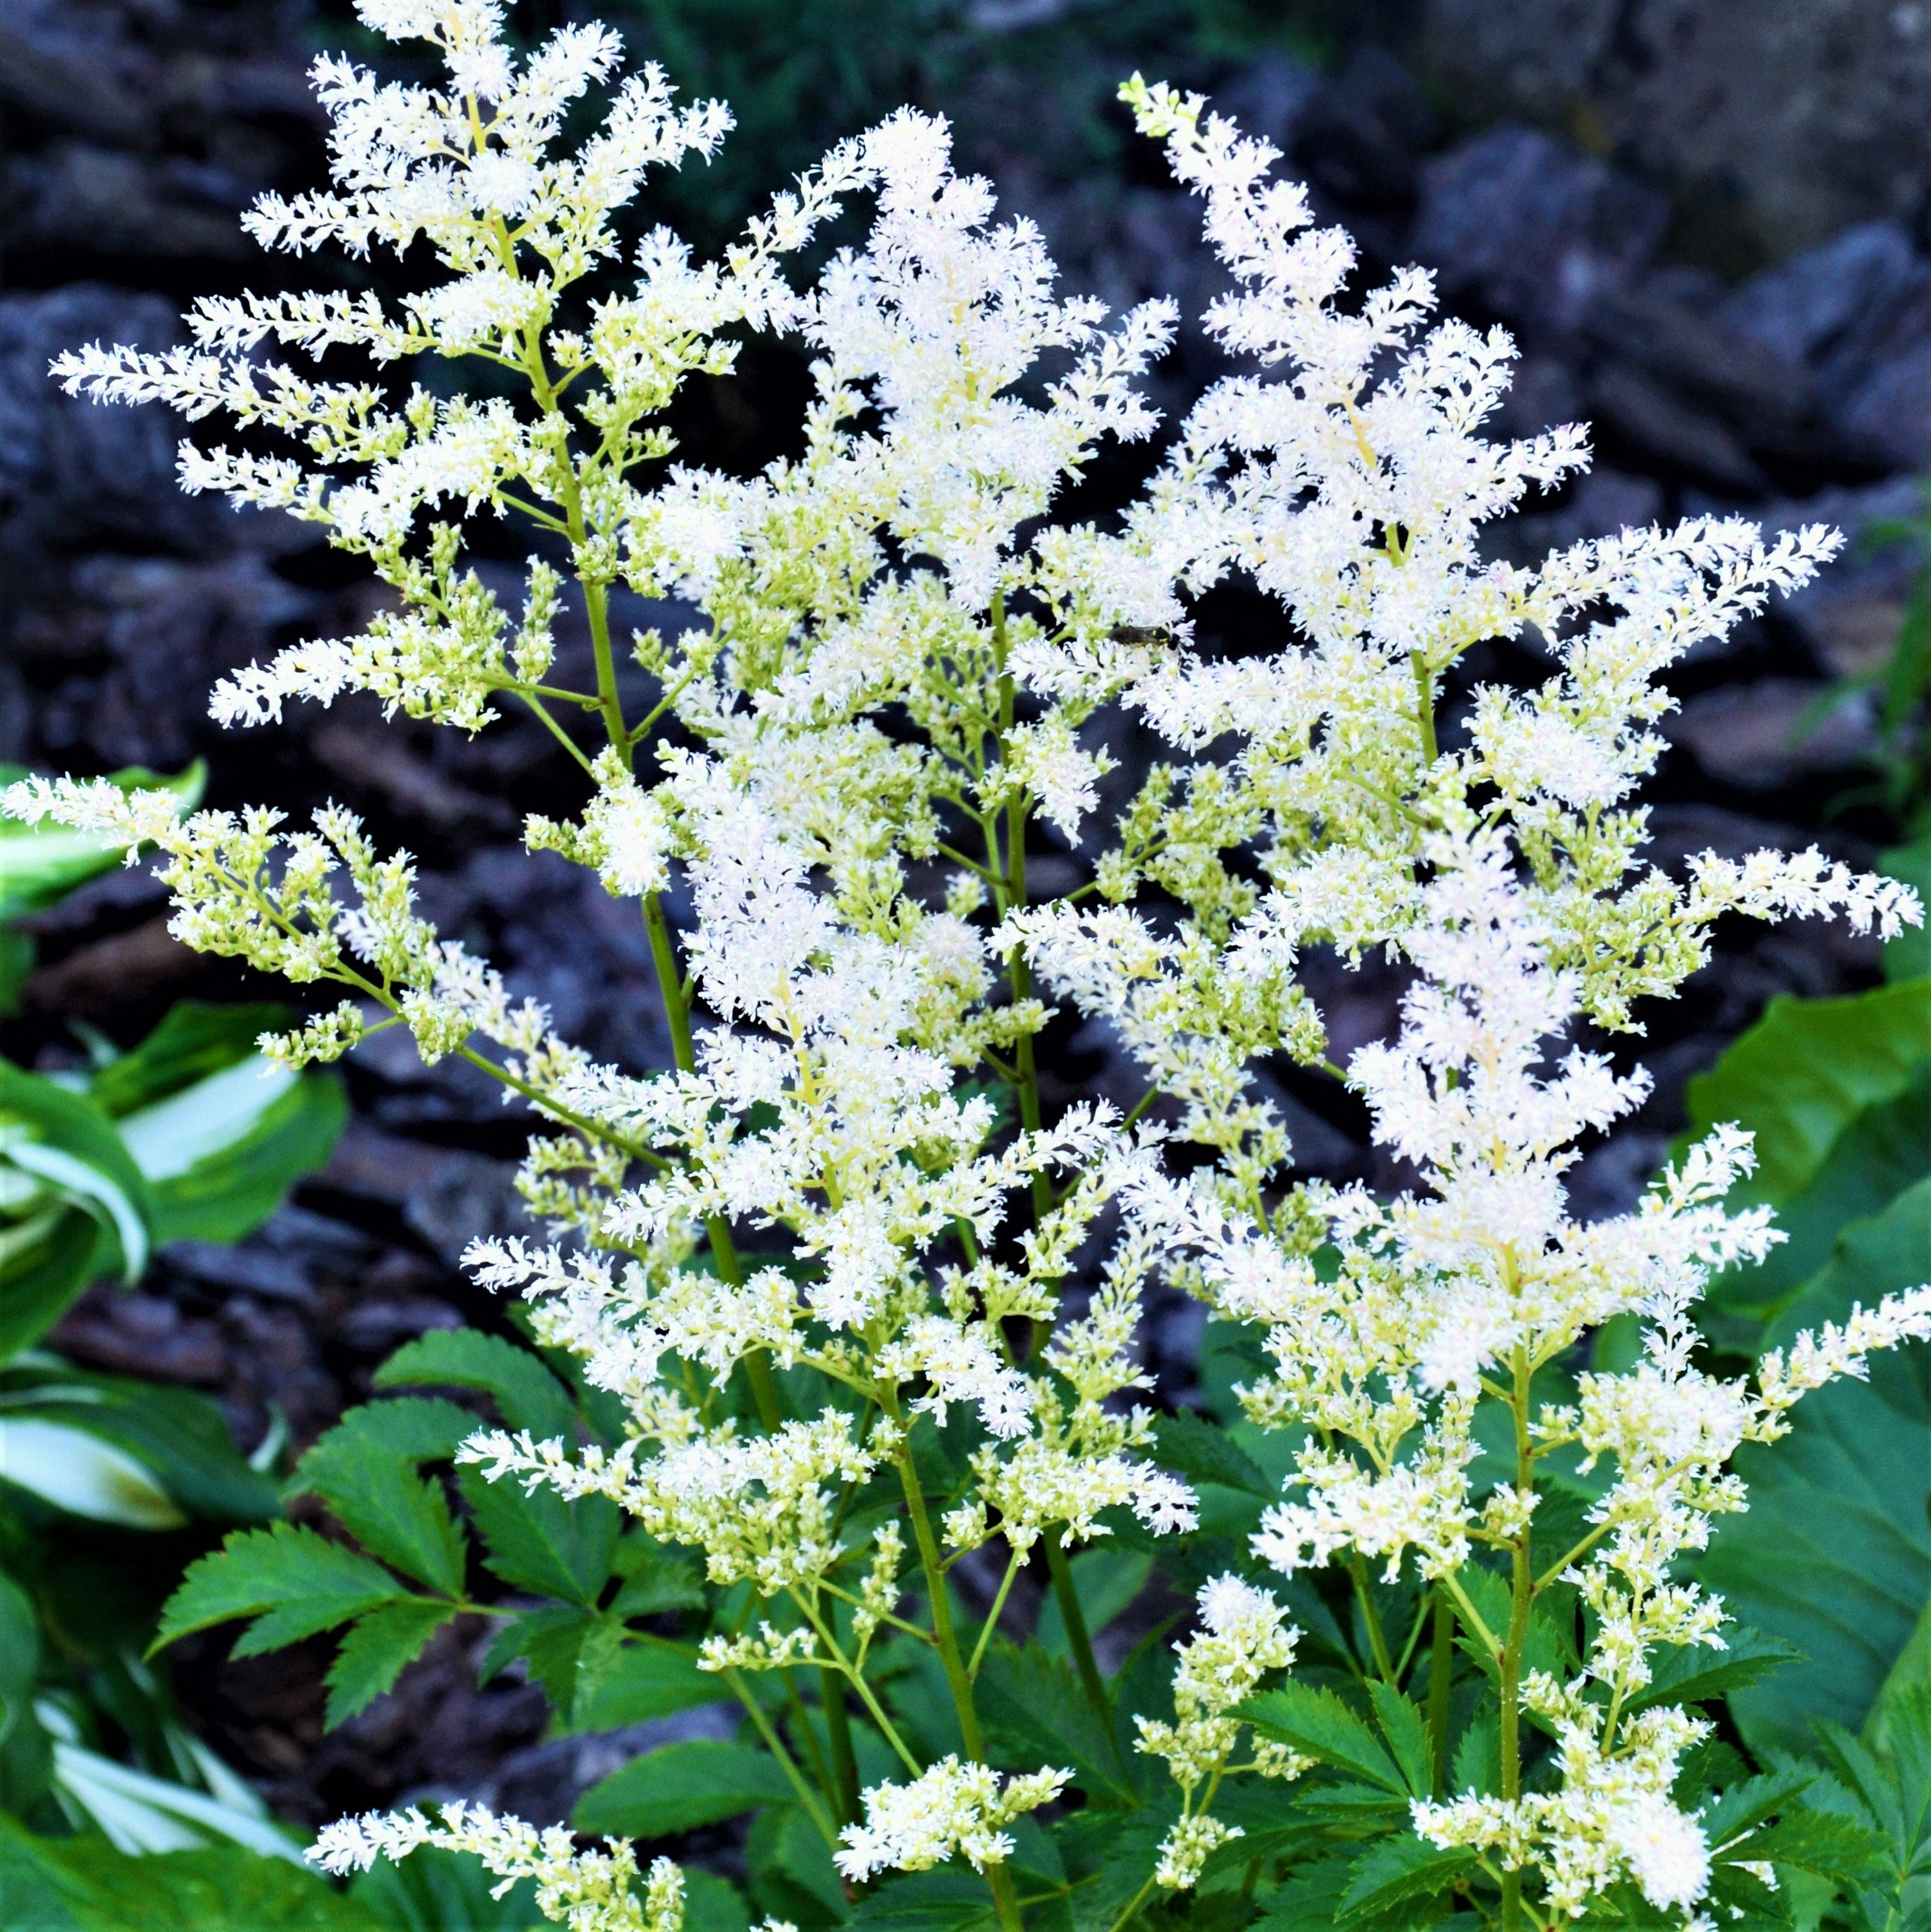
(1377, 1641)
(1521, 1591)
(1012, 1568)
(999, 1880)
(1441, 1676)
(807, 1797)
(1077, 1637)
(837, 1729)
(808, 1739)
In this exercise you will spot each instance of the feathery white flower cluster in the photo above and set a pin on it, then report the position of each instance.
(951, 1807)
(1242, 1638)
(900, 660)
(587, 1891)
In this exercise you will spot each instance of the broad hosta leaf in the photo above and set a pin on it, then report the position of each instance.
(1884, 1150)
(60, 1157)
(1884, 1255)
(76, 1472)
(701, 1781)
(83, 1885)
(180, 1439)
(302, 1582)
(1908, 956)
(220, 1133)
(1834, 1556)
(25, 1756)
(1318, 1725)
(527, 1395)
(390, 1510)
(39, 864)
(374, 1653)
(1805, 1071)
(436, 1891)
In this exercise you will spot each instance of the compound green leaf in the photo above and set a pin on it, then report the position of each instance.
(373, 1653)
(1318, 1725)
(701, 1781)
(391, 1510)
(309, 1583)
(540, 1541)
(527, 1395)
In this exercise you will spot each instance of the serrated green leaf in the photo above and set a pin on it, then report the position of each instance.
(1824, 1842)
(1318, 1725)
(419, 1428)
(1696, 1676)
(1034, 1712)
(933, 1901)
(377, 1648)
(701, 1781)
(1191, 1447)
(391, 1510)
(650, 1677)
(791, 1870)
(527, 1395)
(1406, 1730)
(713, 1904)
(1405, 1869)
(1834, 1556)
(283, 1569)
(570, 1653)
(655, 1579)
(539, 1541)
(1805, 1071)
(1477, 1766)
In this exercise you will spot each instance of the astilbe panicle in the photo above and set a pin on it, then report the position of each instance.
(893, 654)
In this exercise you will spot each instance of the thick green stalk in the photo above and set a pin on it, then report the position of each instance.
(1017, 969)
(1521, 1591)
(1425, 708)
(837, 1728)
(1080, 1641)
(1441, 1679)
(945, 1633)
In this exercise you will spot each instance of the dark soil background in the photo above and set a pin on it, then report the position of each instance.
(1704, 219)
